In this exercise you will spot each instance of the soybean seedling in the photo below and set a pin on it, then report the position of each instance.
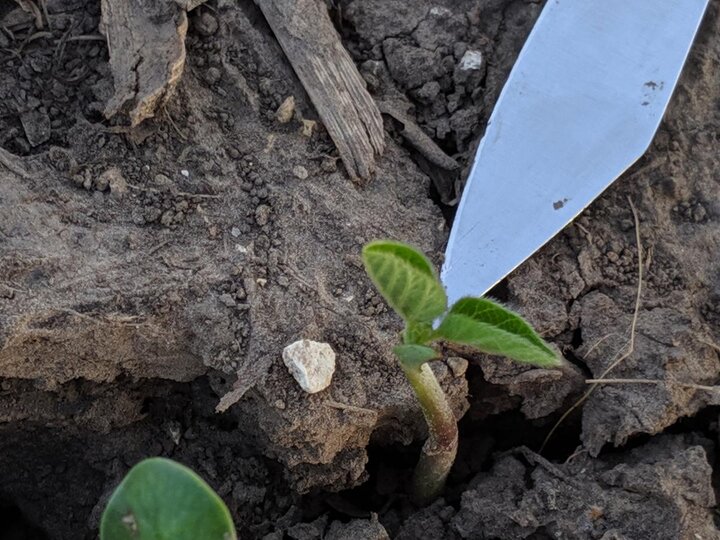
(161, 499)
(409, 284)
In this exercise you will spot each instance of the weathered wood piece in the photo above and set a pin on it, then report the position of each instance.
(351, 117)
(12, 163)
(146, 42)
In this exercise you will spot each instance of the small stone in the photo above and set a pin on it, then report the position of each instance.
(227, 300)
(235, 232)
(457, 365)
(262, 214)
(115, 180)
(185, 173)
(471, 60)
(308, 127)
(300, 172)
(469, 69)
(312, 364)
(285, 111)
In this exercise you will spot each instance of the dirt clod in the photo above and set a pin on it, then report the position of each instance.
(524, 495)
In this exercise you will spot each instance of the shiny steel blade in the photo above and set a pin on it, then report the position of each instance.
(581, 105)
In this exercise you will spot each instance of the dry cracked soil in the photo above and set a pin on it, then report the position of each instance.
(151, 275)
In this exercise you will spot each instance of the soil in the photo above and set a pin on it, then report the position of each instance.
(150, 278)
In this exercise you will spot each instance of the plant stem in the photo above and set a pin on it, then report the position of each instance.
(438, 452)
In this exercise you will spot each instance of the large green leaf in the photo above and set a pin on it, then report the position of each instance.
(406, 280)
(491, 328)
(160, 499)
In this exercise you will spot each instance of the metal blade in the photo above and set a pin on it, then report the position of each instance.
(581, 105)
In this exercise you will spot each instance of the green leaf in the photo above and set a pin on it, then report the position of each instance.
(160, 499)
(491, 328)
(418, 333)
(406, 280)
(415, 355)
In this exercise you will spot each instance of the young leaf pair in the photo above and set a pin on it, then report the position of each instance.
(409, 284)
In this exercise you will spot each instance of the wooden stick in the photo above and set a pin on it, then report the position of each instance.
(327, 72)
(147, 54)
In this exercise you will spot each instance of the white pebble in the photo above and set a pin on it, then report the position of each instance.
(311, 363)
(300, 172)
(471, 60)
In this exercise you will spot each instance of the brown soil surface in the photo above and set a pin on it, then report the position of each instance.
(149, 275)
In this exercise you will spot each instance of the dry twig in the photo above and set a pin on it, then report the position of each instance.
(629, 346)
(658, 382)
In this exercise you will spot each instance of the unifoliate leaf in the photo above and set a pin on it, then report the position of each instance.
(491, 328)
(406, 280)
(160, 499)
(414, 355)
